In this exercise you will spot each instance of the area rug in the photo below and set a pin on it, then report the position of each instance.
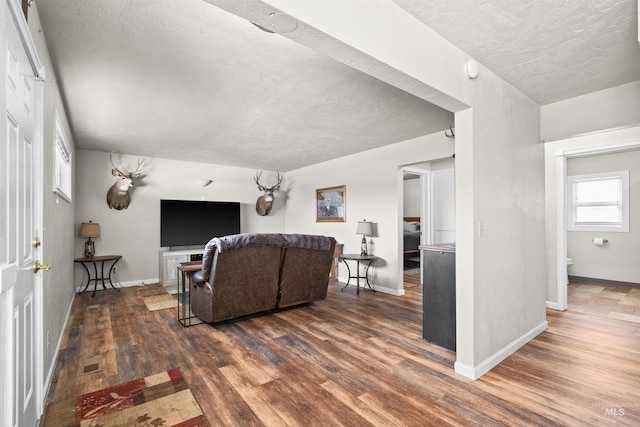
(163, 400)
(159, 302)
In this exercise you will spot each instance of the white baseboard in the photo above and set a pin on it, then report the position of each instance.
(476, 372)
(396, 292)
(553, 305)
(142, 282)
(54, 362)
(377, 288)
(130, 284)
(464, 370)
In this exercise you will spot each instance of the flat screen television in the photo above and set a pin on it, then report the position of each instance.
(194, 222)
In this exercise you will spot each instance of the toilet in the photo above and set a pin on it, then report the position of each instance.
(569, 263)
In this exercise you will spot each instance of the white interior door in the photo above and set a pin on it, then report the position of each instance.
(21, 211)
(443, 209)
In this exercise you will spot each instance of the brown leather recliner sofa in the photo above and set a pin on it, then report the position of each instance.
(246, 274)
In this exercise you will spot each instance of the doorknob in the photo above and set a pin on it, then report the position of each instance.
(37, 267)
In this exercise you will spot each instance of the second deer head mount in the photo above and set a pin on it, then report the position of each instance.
(265, 202)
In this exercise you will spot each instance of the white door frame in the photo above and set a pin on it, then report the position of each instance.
(425, 207)
(426, 236)
(10, 10)
(561, 204)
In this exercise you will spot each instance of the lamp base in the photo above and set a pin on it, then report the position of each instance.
(89, 248)
(363, 247)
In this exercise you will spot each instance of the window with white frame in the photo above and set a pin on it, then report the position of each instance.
(62, 162)
(598, 202)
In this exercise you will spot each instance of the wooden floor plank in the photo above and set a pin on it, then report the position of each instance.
(360, 360)
(368, 415)
(223, 404)
(253, 397)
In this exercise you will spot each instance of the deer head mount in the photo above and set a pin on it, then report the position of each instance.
(264, 202)
(118, 195)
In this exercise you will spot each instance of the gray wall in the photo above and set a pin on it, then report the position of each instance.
(57, 239)
(617, 259)
(500, 260)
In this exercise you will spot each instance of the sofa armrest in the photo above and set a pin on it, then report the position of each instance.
(198, 278)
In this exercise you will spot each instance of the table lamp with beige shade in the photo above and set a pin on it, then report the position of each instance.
(89, 229)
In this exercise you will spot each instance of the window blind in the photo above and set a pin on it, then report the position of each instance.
(598, 201)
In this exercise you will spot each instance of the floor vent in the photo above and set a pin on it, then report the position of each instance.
(92, 365)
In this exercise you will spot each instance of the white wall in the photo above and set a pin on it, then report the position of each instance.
(618, 258)
(374, 192)
(605, 109)
(134, 232)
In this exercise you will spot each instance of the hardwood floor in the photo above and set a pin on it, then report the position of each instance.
(353, 361)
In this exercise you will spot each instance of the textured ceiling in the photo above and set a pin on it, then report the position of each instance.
(549, 49)
(184, 79)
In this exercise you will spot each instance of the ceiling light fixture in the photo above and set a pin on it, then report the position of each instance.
(277, 22)
(203, 182)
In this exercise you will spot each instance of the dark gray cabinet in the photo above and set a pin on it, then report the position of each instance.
(439, 295)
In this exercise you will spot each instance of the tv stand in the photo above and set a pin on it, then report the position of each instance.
(170, 260)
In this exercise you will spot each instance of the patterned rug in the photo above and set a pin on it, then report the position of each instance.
(159, 302)
(163, 400)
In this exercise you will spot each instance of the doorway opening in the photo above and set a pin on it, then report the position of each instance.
(561, 208)
(428, 210)
(414, 226)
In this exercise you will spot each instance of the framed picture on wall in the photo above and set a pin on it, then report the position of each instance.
(330, 204)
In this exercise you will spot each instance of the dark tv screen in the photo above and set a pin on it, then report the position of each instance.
(191, 222)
